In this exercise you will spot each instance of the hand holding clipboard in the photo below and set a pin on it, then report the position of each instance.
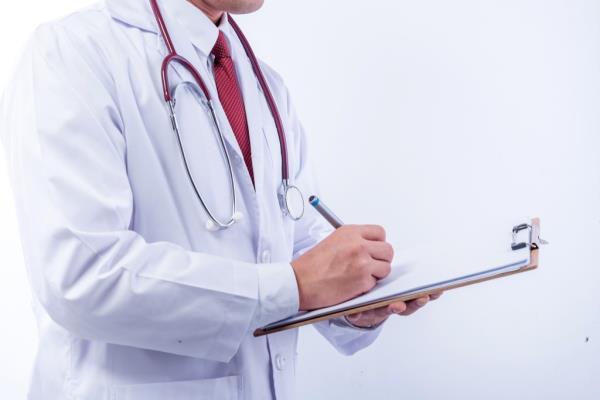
(405, 285)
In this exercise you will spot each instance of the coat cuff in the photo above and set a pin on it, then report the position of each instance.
(346, 339)
(278, 296)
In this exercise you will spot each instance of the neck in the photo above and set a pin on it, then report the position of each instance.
(212, 13)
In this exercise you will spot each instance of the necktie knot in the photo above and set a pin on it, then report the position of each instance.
(221, 48)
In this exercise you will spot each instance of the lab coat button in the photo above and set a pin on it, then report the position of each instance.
(280, 362)
(266, 256)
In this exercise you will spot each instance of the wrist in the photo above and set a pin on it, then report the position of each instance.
(307, 298)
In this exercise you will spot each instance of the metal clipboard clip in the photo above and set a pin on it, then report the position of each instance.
(535, 241)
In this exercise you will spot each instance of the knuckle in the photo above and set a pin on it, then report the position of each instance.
(380, 230)
(364, 265)
(358, 249)
(343, 231)
(363, 249)
(353, 252)
(390, 250)
(344, 228)
(351, 229)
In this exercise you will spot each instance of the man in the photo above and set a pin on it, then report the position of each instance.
(135, 298)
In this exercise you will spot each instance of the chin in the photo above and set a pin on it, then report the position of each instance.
(243, 6)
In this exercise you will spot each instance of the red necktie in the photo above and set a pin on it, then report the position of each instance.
(231, 97)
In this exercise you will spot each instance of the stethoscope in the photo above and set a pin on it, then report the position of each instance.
(290, 197)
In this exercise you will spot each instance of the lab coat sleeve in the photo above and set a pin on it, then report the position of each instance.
(310, 230)
(94, 276)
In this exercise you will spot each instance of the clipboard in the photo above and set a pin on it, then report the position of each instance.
(531, 247)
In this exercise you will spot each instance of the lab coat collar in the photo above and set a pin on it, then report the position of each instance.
(136, 13)
(202, 32)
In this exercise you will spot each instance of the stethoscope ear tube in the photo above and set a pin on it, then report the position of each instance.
(213, 223)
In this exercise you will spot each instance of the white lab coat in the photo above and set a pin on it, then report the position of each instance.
(135, 299)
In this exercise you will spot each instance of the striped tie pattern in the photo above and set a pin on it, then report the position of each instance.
(230, 97)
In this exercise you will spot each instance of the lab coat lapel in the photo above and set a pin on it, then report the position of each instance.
(251, 94)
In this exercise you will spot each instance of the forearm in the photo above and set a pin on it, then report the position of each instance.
(122, 290)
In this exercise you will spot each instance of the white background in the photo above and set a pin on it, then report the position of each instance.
(423, 114)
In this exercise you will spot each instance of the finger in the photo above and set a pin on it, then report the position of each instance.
(372, 232)
(370, 318)
(376, 312)
(382, 312)
(373, 316)
(382, 251)
(435, 296)
(415, 305)
(380, 269)
(359, 319)
(421, 301)
(397, 307)
(354, 318)
(369, 283)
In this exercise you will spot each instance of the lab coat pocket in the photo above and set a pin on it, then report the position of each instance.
(226, 388)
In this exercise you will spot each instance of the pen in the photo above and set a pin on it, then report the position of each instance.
(325, 212)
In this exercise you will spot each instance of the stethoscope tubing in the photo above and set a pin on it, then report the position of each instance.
(232, 219)
(174, 57)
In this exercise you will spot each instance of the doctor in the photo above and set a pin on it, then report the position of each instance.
(156, 242)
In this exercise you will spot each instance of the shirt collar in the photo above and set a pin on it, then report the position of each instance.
(202, 32)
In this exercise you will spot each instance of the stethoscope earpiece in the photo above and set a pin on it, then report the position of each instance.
(211, 226)
(238, 216)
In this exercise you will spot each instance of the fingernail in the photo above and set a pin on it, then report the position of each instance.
(421, 302)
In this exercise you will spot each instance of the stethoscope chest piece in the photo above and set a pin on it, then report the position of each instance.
(291, 201)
